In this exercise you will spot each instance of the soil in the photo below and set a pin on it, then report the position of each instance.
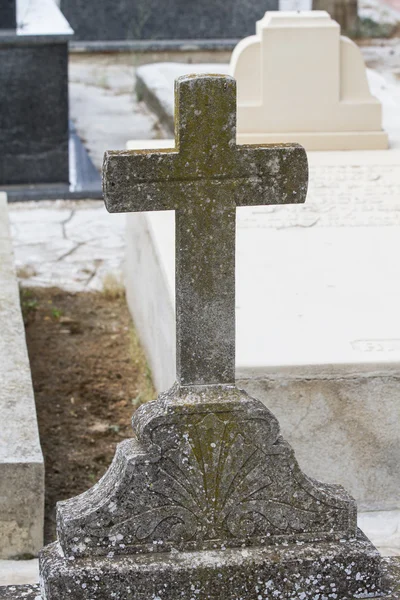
(89, 375)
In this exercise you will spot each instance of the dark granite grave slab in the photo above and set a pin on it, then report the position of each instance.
(84, 179)
(33, 113)
(164, 19)
(34, 97)
(8, 12)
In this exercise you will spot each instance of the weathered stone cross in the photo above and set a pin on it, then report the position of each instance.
(207, 499)
(204, 179)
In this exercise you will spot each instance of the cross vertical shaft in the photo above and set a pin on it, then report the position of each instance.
(204, 179)
(205, 303)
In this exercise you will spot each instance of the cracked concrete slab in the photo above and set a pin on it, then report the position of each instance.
(103, 103)
(74, 246)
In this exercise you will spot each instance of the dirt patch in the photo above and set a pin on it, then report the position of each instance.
(89, 375)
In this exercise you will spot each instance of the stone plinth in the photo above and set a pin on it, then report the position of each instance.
(164, 19)
(34, 96)
(257, 572)
(300, 81)
(331, 347)
(207, 496)
(21, 460)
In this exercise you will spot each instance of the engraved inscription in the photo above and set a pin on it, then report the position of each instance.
(338, 196)
(376, 345)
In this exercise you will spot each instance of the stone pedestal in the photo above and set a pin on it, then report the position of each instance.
(34, 96)
(207, 499)
(330, 570)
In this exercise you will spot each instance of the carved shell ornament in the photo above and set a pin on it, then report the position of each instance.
(204, 475)
(215, 483)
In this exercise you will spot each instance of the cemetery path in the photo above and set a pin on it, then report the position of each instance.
(103, 103)
(89, 374)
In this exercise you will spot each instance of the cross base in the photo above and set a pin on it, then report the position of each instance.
(324, 570)
(208, 501)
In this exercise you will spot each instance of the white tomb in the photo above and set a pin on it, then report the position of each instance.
(318, 333)
(300, 81)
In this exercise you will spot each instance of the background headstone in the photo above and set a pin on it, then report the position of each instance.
(285, 94)
(164, 19)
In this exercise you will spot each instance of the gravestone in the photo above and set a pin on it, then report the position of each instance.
(299, 80)
(164, 19)
(34, 94)
(207, 499)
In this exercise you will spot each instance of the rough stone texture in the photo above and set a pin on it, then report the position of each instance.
(33, 113)
(21, 461)
(164, 19)
(8, 12)
(343, 429)
(204, 179)
(207, 498)
(390, 567)
(332, 383)
(325, 570)
(20, 592)
(206, 469)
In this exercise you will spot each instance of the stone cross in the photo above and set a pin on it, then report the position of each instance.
(204, 179)
(207, 500)
(8, 14)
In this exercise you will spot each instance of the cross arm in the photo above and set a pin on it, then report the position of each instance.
(275, 174)
(139, 180)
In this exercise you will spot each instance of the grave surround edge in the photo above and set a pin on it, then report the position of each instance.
(21, 460)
